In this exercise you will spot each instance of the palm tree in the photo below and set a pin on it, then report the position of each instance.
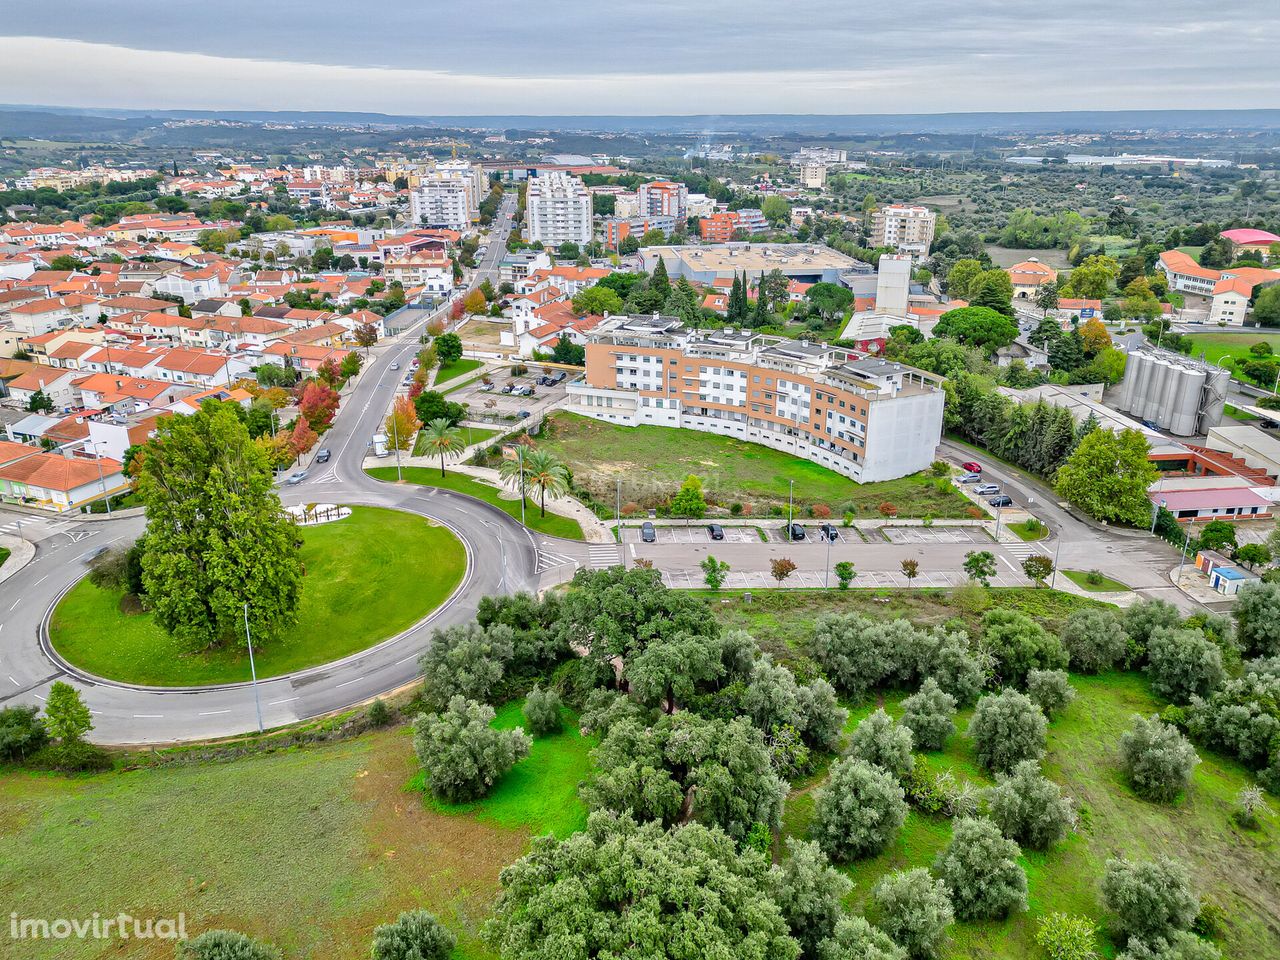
(444, 438)
(544, 472)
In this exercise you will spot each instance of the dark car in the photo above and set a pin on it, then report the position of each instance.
(508, 388)
(524, 414)
(543, 381)
(647, 533)
(323, 456)
(558, 378)
(829, 532)
(795, 532)
(716, 531)
(1001, 501)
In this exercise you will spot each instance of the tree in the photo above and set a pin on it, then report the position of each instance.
(845, 573)
(415, 935)
(217, 537)
(689, 501)
(475, 303)
(977, 326)
(1047, 296)
(1252, 555)
(1095, 336)
(1183, 664)
(961, 278)
(542, 711)
(1037, 568)
(432, 405)
(929, 714)
(781, 567)
(859, 810)
(829, 299)
(598, 300)
(402, 424)
(1149, 899)
(1257, 613)
(910, 570)
(615, 886)
(714, 572)
(464, 757)
(1157, 759)
(366, 335)
(809, 892)
(1020, 645)
(1108, 475)
(544, 472)
(981, 870)
(855, 939)
(448, 348)
(1143, 618)
(465, 660)
(441, 438)
(1092, 279)
(1064, 937)
(225, 945)
(1183, 945)
(22, 733)
(1266, 308)
(66, 717)
(883, 743)
(318, 404)
(1095, 640)
(993, 291)
(775, 209)
(914, 909)
(952, 663)
(1030, 809)
(980, 565)
(1218, 535)
(40, 402)
(1006, 729)
(1050, 690)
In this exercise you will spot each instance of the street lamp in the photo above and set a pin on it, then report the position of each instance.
(253, 671)
(520, 457)
(791, 496)
(1056, 550)
(617, 520)
(102, 481)
(826, 572)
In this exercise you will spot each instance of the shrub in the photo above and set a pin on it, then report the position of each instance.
(1020, 645)
(464, 757)
(1049, 690)
(225, 945)
(415, 935)
(858, 812)
(1257, 612)
(72, 756)
(379, 713)
(809, 892)
(466, 660)
(542, 711)
(880, 741)
(929, 714)
(951, 662)
(1250, 801)
(981, 870)
(21, 733)
(914, 909)
(888, 509)
(845, 574)
(1095, 640)
(1150, 899)
(1242, 719)
(1007, 728)
(1063, 937)
(1178, 946)
(855, 939)
(1183, 664)
(821, 511)
(1030, 808)
(1148, 615)
(1157, 759)
(735, 509)
(604, 708)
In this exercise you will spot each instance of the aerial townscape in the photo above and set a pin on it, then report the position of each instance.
(730, 483)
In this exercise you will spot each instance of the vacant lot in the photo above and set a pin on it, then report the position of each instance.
(351, 598)
(652, 462)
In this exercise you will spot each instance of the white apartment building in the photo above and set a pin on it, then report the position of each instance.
(557, 210)
(863, 417)
(813, 175)
(441, 201)
(663, 198)
(907, 229)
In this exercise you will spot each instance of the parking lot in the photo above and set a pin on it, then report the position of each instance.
(935, 535)
(694, 533)
(494, 401)
(761, 579)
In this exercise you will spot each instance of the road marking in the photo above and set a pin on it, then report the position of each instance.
(41, 699)
(212, 713)
(41, 580)
(13, 681)
(405, 660)
(1010, 565)
(148, 716)
(15, 605)
(347, 682)
(287, 700)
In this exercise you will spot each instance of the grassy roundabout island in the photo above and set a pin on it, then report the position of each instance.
(368, 577)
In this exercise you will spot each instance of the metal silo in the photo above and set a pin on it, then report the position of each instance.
(1149, 408)
(1133, 364)
(1214, 399)
(1186, 402)
(1138, 375)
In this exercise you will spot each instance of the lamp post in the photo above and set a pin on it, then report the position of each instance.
(395, 440)
(791, 497)
(1056, 551)
(826, 572)
(617, 521)
(253, 670)
(520, 457)
(102, 481)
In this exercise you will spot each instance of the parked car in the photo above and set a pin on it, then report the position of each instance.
(487, 387)
(970, 477)
(972, 466)
(543, 380)
(986, 489)
(323, 455)
(1004, 500)
(716, 531)
(647, 533)
(297, 478)
(829, 532)
(524, 414)
(558, 378)
(508, 387)
(795, 532)
(395, 366)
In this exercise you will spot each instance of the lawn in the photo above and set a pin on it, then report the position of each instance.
(652, 462)
(1026, 531)
(456, 369)
(1215, 346)
(472, 434)
(355, 569)
(1232, 867)
(552, 524)
(1081, 578)
(4, 555)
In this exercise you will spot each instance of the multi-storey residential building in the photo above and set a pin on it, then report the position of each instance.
(862, 417)
(442, 201)
(824, 155)
(906, 229)
(723, 227)
(557, 210)
(813, 175)
(617, 229)
(663, 198)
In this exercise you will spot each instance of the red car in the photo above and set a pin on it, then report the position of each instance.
(971, 466)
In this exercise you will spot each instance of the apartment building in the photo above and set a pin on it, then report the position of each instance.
(663, 198)
(441, 201)
(617, 229)
(907, 229)
(862, 417)
(557, 210)
(723, 227)
(813, 175)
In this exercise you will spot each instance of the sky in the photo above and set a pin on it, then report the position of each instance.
(656, 57)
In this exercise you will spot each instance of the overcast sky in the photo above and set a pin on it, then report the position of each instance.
(659, 56)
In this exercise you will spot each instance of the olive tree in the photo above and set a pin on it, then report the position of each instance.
(1050, 690)
(464, 757)
(1181, 945)
(225, 945)
(929, 714)
(981, 870)
(1006, 729)
(859, 653)
(858, 812)
(880, 741)
(1149, 898)
(855, 939)
(542, 711)
(1147, 615)
(809, 892)
(950, 661)
(1157, 759)
(1020, 645)
(415, 935)
(772, 699)
(914, 909)
(1095, 640)
(1029, 808)
(1183, 664)
(1257, 612)
(466, 660)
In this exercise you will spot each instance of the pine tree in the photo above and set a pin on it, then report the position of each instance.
(660, 282)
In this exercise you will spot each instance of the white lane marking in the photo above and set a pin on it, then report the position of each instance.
(41, 580)
(13, 681)
(41, 699)
(289, 700)
(346, 682)
(212, 713)
(406, 660)
(15, 605)
(148, 716)
(1009, 565)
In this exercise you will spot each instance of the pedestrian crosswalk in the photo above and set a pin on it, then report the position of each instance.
(1022, 550)
(37, 528)
(329, 476)
(604, 555)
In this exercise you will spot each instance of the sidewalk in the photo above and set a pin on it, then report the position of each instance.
(21, 553)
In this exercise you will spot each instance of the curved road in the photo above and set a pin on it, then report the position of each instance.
(503, 558)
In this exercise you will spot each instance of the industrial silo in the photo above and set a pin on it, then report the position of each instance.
(1149, 408)
(1214, 399)
(1184, 409)
(1137, 375)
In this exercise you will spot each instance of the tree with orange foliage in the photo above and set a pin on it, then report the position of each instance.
(475, 303)
(1095, 336)
(329, 373)
(318, 403)
(402, 424)
(303, 437)
(278, 448)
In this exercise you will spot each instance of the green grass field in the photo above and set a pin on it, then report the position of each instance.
(472, 435)
(4, 555)
(1026, 531)
(1106, 585)
(351, 599)
(552, 524)
(457, 369)
(652, 462)
(1215, 346)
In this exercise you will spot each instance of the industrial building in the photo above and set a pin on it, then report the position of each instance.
(1178, 394)
(706, 263)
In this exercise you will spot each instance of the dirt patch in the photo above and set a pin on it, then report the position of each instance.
(131, 606)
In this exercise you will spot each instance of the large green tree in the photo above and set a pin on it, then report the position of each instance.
(217, 537)
(978, 327)
(1107, 477)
